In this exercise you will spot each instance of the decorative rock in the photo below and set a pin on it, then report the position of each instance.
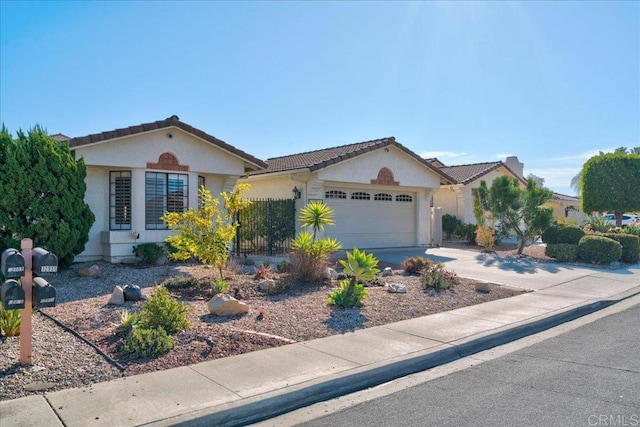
(92, 271)
(396, 288)
(226, 305)
(132, 293)
(332, 273)
(387, 272)
(483, 287)
(117, 297)
(267, 285)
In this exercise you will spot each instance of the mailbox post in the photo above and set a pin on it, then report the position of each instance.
(25, 315)
(30, 292)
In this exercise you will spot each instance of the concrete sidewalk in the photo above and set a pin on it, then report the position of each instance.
(255, 386)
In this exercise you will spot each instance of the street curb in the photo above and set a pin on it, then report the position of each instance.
(272, 404)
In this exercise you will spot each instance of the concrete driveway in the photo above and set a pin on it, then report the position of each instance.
(526, 273)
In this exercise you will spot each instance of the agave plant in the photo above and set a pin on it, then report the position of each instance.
(598, 224)
(358, 267)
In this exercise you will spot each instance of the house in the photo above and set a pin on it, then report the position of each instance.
(137, 173)
(457, 199)
(380, 190)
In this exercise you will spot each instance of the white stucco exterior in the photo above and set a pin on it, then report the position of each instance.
(356, 174)
(219, 168)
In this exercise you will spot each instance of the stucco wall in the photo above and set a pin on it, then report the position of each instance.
(362, 169)
(132, 154)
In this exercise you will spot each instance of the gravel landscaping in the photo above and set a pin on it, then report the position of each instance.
(62, 360)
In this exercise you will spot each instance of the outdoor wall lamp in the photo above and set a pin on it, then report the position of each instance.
(296, 193)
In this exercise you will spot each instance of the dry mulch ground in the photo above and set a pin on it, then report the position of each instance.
(62, 360)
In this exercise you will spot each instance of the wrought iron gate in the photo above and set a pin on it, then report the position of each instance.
(266, 227)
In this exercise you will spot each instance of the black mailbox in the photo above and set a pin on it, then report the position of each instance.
(12, 295)
(44, 295)
(12, 264)
(44, 262)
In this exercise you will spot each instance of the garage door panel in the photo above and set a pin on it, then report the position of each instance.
(373, 223)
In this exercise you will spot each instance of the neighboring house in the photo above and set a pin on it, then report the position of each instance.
(136, 174)
(567, 208)
(379, 189)
(457, 199)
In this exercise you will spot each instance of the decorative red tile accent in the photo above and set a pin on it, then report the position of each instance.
(385, 177)
(168, 161)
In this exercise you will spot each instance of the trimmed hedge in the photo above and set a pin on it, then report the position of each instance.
(630, 246)
(599, 250)
(563, 252)
(563, 234)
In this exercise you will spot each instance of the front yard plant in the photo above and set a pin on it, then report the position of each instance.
(310, 254)
(9, 322)
(435, 276)
(206, 233)
(599, 250)
(160, 310)
(359, 267)
(147, 342)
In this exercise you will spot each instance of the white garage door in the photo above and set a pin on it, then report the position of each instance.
(372, 219)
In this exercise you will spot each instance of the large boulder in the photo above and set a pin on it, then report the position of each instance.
(92, 271)
(117, 297)
(226, 305)
(133, 293)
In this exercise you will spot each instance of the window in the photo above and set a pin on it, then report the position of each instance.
(360, 195)
(335, 194)
(404, 198)
(120, 200)
(165, 192)
(383, 196)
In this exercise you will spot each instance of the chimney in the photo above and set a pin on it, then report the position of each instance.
(515, 165)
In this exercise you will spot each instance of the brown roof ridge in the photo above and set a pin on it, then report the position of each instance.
(372, 142)
(474, 164)
(172, 121)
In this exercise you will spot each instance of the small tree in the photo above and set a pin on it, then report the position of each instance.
(517, 210)
(611, 182)
(206, 233)
(42, 192)
(310, 255)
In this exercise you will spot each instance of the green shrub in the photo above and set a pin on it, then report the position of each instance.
(630, 246)
(632, 229)
(449, 224)
(9, 322)
(437, 277)
(467, 232)
(310, 257)
(599, 250)
(598, 224)
(342, 298)
(563, 252)
(143, 342)
(162, 311)
(220, 286)
(180, 282)
(415, 265)
(149, 252)
(486, 237)
(562, 233)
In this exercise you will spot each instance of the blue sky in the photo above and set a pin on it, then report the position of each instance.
(550, 82)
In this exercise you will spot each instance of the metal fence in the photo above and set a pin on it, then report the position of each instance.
(266, 227)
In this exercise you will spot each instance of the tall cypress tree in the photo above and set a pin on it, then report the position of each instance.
(42, 192)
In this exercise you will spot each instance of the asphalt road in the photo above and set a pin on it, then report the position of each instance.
(587, 376)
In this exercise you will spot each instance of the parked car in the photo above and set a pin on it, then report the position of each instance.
(627, 219)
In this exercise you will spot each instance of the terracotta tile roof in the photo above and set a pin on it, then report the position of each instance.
(465, 174)
(173, 121)
(319, 159)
